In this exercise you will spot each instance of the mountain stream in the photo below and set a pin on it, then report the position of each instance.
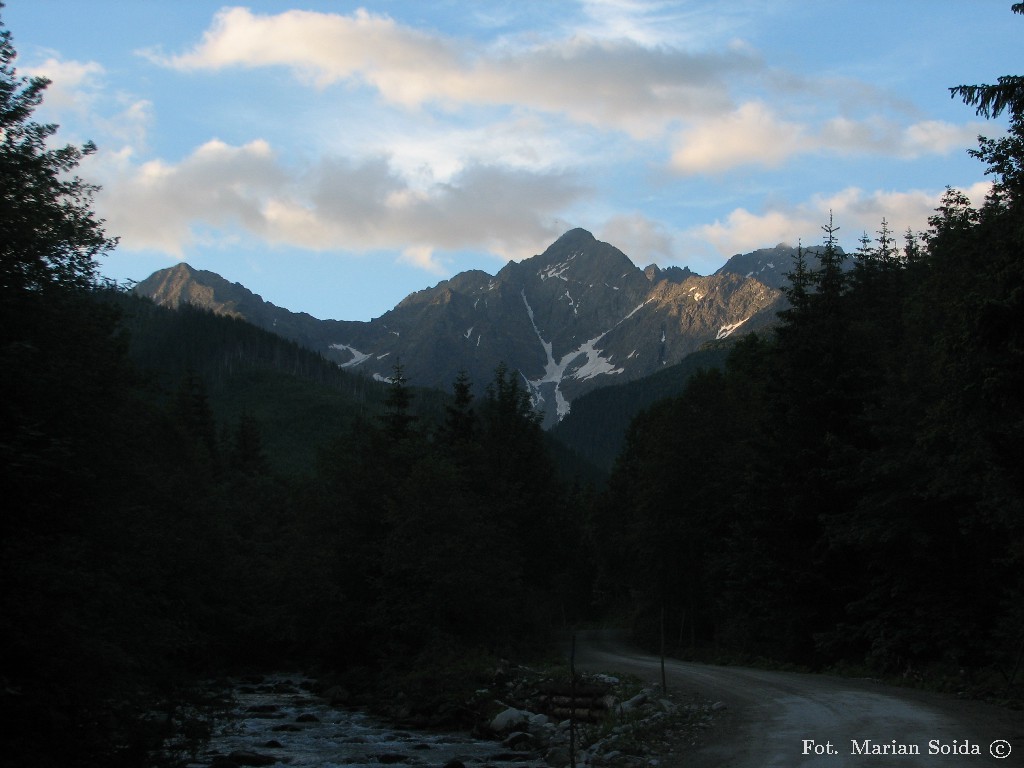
(279, 722)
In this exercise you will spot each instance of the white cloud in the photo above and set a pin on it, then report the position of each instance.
(752, 135)
(643, 239)
(74, 84)
(158, 206)
(877, 135)
(221, 192)
(643, 22)
(625, 69)
(854, 211)
(938, 137)
(433, 153)
(325, 48)
(79, 94)
(129, 127)
(743, 231)
(618, 84)
(659, 22)
(422, 256)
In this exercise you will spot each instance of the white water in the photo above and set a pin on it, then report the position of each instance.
(337, 737)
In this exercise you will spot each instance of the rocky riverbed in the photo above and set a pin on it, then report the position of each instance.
(288, 719)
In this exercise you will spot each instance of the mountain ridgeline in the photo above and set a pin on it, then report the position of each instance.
(577, 317)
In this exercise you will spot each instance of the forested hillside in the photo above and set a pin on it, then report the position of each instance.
(297, 398)
(147, 541)
(849, 489)
(596, 426)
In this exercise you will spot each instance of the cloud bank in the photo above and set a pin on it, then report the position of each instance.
(337, 205)
(855, 211)
(422, 143)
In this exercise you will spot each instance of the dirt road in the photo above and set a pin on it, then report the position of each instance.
(791, 719)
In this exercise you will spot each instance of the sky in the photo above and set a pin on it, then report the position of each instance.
(335, 157)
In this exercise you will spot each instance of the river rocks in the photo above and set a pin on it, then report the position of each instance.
(515, 719)
(557, 756)
(508, 719)
(648, 724)
(634, 703)
(518, 740)
(539, 720)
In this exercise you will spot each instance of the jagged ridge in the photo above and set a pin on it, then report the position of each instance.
(578, 316)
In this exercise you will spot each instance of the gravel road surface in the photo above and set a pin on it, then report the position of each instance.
(792, 719)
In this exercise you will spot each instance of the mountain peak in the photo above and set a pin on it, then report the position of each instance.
(576, 236)
(580, 242)
(576, 317)
(574, 241)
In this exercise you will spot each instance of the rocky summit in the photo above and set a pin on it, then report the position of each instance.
(579, 316)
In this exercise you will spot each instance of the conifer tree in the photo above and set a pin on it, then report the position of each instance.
(49, 235)
(247, 455)
(911, 248)
(398, 416)
(991, 100)
(830, 279)
(798, 289)
(460, 418)
(193, 413)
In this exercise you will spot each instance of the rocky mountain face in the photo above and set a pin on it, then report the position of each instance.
(576, 317)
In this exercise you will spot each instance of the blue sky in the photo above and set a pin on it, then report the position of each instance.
(335, 156)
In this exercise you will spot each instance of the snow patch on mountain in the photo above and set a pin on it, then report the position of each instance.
(556, 371)
(596, 365)
(553, 371)
(726, 330)
(557, 270)
(633, 311)
(357, 356)
(573, 304)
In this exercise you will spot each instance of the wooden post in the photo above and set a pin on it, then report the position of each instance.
(664, 687)
(572, 703)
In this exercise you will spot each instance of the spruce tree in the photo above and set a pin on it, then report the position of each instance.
(460, 419)
(49, 234)
(398, 416)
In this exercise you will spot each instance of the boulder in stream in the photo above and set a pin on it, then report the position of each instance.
(509, 719)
